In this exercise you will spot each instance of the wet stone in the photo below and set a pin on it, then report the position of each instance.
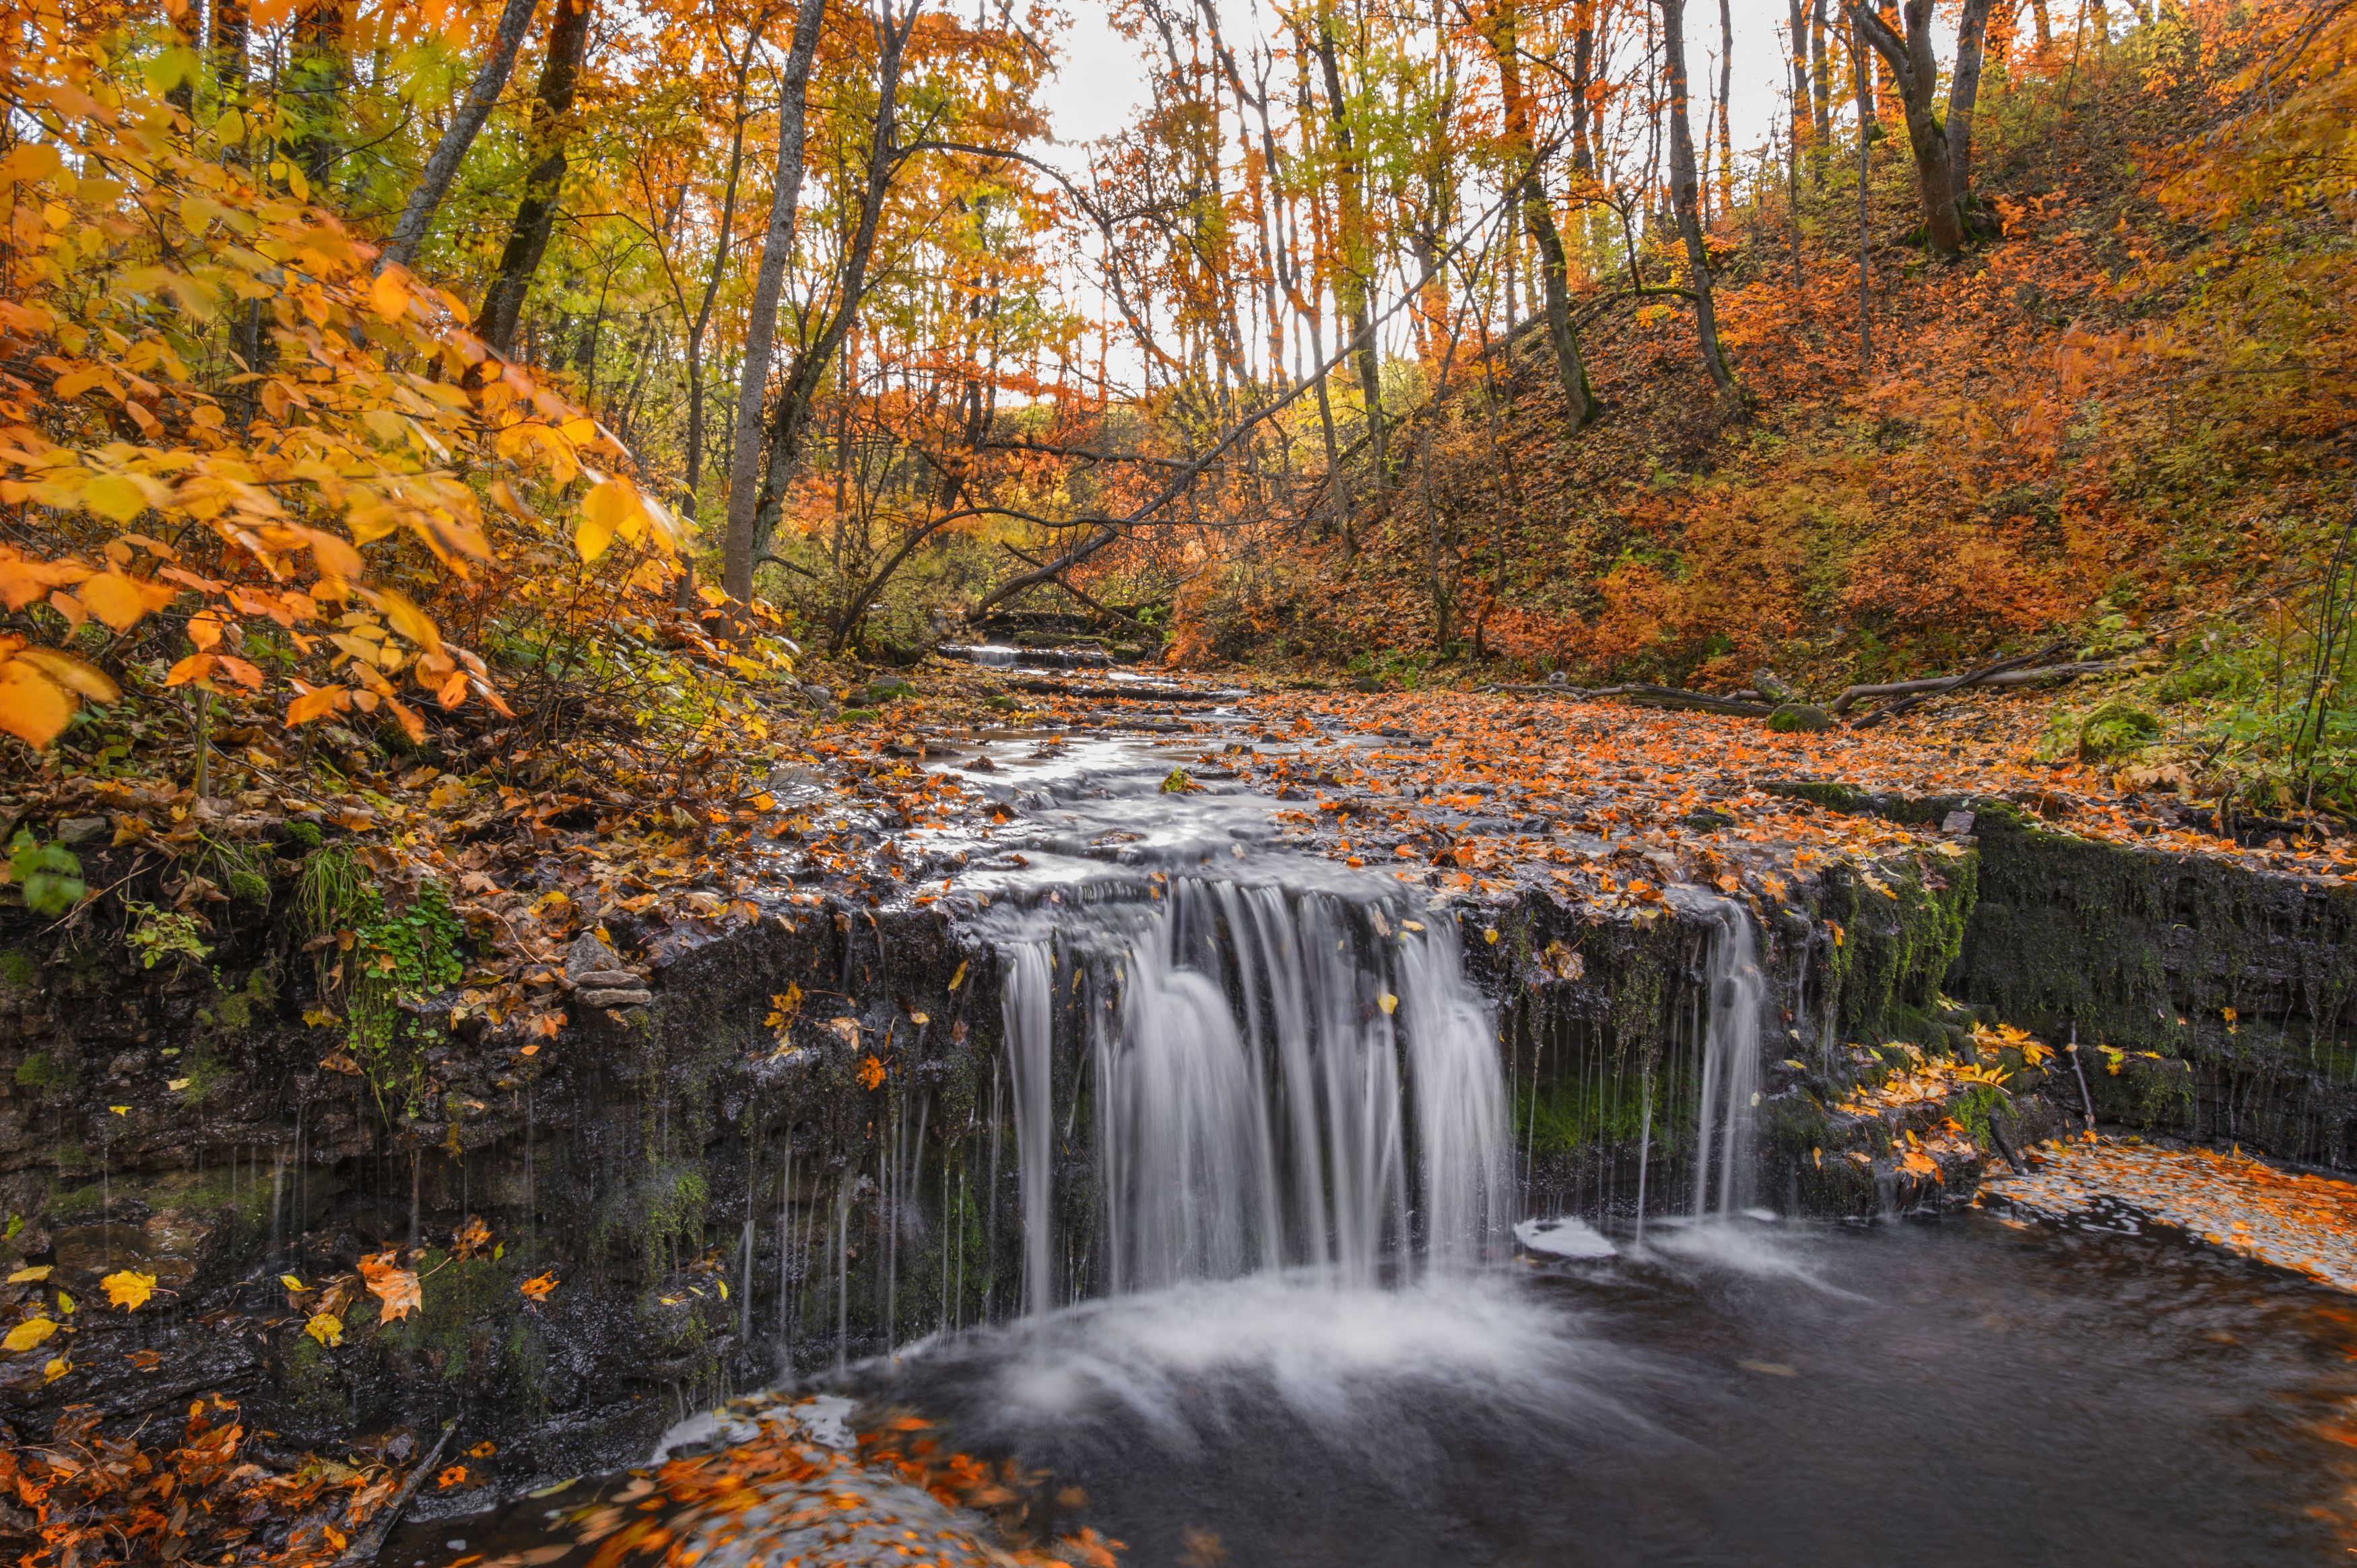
(589, 955)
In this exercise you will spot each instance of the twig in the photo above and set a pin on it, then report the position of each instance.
(369, 1541)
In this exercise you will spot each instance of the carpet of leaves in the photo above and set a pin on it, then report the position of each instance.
(896, 1496)
(2291, 1219)
(82, 1500)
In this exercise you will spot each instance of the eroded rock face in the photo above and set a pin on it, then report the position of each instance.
(747, 1137)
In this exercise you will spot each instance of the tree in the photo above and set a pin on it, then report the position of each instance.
(450, 149)
(1942, 154)
(535, 215)
(769, 284)
(1685, 195)
(1499, 30)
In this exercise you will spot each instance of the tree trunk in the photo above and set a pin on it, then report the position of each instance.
(1915, 70)
(1963, 93)
(315, 81)
(694, 458)
(1725, 108)
(441, 165)
(535, 217)
(1862, 75)
(769, 283)
(1351, 277)
(2045, 25)
(233, 33)
(1537, 218)
(784, 438)
(1821, 67)
(1686, 196)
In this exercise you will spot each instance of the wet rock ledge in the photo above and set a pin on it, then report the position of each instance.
(776, 1142)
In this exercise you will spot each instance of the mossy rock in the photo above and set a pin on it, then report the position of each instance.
(2116, 728)
(1800, 718)
(876, 693)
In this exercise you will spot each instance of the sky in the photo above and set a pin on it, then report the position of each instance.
(1102, 81)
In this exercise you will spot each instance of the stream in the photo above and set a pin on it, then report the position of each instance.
(1281, 1305)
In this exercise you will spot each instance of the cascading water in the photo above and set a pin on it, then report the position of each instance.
(1277, 1078)
(1727, 1154)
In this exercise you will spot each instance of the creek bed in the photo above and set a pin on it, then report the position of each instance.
(1966, 1392)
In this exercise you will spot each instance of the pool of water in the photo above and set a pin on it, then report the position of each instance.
(1960, 1392)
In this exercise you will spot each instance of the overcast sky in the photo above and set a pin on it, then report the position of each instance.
(1102, 81)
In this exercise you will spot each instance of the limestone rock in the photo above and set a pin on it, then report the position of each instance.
(588, 955)
(615, 998)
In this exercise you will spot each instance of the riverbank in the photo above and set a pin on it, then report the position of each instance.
(649, 1122)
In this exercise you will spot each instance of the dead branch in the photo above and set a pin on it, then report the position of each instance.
(1956, 683)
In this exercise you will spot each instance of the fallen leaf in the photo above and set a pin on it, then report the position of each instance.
(129, 1289)
(395, 1286)
(28, 1334)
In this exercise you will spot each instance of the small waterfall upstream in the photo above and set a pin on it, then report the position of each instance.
(1272, 1079)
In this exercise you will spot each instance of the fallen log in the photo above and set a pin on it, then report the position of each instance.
(1672, 697)
(1957, 683)
(1853, 695)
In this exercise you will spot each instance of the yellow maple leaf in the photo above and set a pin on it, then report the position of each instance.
(326, 1327)
(539, 1285)
(129, 1289)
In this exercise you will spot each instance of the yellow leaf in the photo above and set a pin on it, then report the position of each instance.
(129, 1289)
(1388, 1002)
(65, 669)
(316, 705)
(28, 1334)
(31, 708)
(959, 978)
(31, 161)
(114, 497)
(539, 1287)
(410, 621)
(65, 1304)
(389, 295)
(118, 600)
(612, 507)
(33, 1276)
(291, 1283)
(326, 1327)
(56, 1366)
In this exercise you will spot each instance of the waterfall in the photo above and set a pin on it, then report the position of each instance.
(1271, 1073)
(1725, 1119)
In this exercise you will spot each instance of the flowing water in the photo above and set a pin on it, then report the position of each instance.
(1270, 1314)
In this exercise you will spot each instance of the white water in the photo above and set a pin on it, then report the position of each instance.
(1726, 1119)
(1279, 1078)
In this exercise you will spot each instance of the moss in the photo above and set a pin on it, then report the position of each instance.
(455, 1329)
(39, 1072)
(304, 834)
(1897, 932)
(19, 968)
(249, 887)
(312, 1386)
(1826, 793)
(2116, 727)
